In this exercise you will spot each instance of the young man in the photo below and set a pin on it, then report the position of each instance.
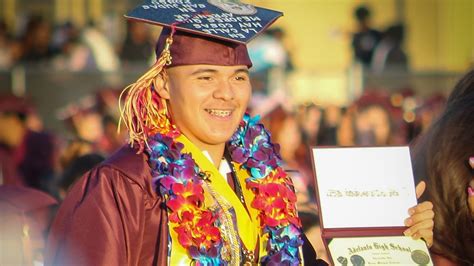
(202, 182)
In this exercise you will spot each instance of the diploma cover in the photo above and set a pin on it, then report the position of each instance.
(364, 194)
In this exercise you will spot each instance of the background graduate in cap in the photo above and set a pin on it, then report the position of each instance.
(201, 182)
(27, 153)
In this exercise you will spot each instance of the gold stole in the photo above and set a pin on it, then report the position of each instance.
(248, 226)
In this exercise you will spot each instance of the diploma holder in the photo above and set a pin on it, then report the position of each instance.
(364, 194)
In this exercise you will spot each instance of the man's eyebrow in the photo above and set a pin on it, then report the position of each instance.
(211, 70)
(242, 70)
(204, 70)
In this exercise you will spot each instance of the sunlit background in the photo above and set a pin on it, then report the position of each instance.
(71, 58)
(438, 42)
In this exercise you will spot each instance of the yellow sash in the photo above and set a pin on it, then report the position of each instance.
(242, 174)
(248, 226)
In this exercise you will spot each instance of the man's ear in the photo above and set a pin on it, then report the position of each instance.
(162, 86)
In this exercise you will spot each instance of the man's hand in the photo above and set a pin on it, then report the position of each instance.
(421, 221)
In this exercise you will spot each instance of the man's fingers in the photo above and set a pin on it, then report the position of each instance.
(425, 234)
(424, 206)
(419, 227)
(421, 222)
(420, 188)
(471, 161)
(420, 218)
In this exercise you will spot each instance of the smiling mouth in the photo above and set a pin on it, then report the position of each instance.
(219, 113)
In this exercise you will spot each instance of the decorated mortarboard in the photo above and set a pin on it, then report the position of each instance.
(196, 32)
(228, 20)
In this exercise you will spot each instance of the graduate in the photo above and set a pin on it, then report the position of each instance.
(201, 182)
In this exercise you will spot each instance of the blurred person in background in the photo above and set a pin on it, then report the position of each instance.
(389, 54)
(373, 119)
(404, 103)
(113, 139)
(74, 54)
(429, 111)
(85, 123)
(12, 117)
(102, 53)
(271, 62)
(345, 131)
(284, 129)
(5, 60)
(75, 170)
(330, 120)
(444, 158)
(27, 157)
(25, 218)
(310, 117)
(36, 41)
(369, 121)
(137, 47)
(372, 126)
(93, 122)
(294, 154)
(9, 49)
(366, 39)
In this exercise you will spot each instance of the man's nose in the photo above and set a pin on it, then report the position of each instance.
(224, 91)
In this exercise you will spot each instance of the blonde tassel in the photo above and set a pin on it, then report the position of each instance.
(144, 112)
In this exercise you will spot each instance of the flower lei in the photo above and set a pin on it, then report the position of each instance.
(178, 178)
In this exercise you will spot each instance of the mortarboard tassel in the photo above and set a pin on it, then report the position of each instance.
(144, 112)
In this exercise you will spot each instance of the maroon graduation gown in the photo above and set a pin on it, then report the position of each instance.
(112, 216)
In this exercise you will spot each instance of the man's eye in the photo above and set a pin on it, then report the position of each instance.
(206, 78)
(241, 78)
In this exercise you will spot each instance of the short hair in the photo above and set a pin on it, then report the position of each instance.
(362, 13)
(78, 167)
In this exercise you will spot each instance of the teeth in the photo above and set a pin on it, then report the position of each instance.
(221, 113)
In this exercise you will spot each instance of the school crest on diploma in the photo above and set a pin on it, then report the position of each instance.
(363, 195)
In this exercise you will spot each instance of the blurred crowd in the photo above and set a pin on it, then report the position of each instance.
(39, 158)
(33, 157)
(71, 48)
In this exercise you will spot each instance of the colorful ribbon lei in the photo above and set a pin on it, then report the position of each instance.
(180, 181)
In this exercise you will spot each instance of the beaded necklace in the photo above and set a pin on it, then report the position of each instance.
(182, 183)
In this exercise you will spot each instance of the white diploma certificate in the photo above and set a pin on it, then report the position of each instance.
(364, 196)
(364, 187)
